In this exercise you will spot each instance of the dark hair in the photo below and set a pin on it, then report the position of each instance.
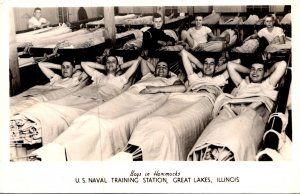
(106, 57)
(156, 15)
(162, 61)
(258, 60)
(198, 15)
(37, 8)
(72, 60)
(271, 16)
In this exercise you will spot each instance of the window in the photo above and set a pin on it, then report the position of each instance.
(262, 9)
(63, 15)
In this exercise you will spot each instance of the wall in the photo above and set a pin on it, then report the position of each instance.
(92, 12)
(137, 10)
(23, 14)
(229, 9)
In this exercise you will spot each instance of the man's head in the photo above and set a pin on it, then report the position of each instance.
(37, 12)
(157, 21)
(209, 66)
(161, 69)
(198, 20)
(111, 64)
(269, 21)
(67, 68)
(257, 72)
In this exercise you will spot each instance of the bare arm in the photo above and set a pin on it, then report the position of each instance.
(253, 36)
(89, 67)
(46, 68)
(146, 67)
(187, 60)
(176, 87)
(276, 72)
(132, 67)
(281, 40)
(83, 76)
(220, 68)
(213, 37)
(234, 70)
(46, 23)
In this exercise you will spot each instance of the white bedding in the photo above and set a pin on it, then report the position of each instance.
(170, 132)
(104, 131)
(40, 93)
(50, 119)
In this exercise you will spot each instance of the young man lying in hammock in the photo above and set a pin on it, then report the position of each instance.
(43, 122)
(239, 120)
(70, 80)
(104, 131)
(170, 132)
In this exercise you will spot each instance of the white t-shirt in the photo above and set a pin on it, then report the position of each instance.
(197, 79)
(255, 88)
(277, 31)
(150, 80)
(57, 80)
(33, 22)
(199, 36)
(100, 79)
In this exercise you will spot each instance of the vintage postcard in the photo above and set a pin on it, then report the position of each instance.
(175, 96)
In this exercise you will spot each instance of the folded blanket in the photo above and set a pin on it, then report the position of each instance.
(139, 21)
(171, 131)
(80, 41)
(211, 46)
(23, 39)
(252, 19)
(212, 18)
(250, 46)
(231, 21)
(286, 19)
(118, 19)
(54, 39)
(272, 48)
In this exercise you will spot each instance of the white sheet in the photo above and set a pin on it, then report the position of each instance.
(171, 131)
(105, 130)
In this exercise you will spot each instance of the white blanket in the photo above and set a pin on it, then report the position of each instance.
(40, 93)
(171, 131)
(238, 124)
(53, 117)
(241, 134)
(105, 130)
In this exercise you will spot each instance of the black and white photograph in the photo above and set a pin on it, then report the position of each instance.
(163, 90)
